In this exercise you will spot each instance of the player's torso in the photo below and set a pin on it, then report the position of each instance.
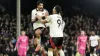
(56, 26)
(83, 40)
(94, 40)
(38, 23)
(23, 41)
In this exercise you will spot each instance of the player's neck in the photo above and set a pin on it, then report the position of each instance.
(23, 35)
(82, 35)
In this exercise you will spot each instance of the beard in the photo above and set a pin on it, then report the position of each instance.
(40, 9)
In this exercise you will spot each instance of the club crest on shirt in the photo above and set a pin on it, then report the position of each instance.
(83, 39)
(24, 39)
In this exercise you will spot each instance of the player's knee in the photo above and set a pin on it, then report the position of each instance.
(38, 32)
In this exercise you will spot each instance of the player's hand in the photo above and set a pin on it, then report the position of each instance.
(27, 48)
(37, 48)
(39, 17)
(15, 49)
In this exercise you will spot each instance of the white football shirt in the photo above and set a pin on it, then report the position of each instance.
(94, 40)
(34, 13)
(56, 25)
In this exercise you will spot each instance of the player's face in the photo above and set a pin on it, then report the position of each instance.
(23, 32)
(93, 33)
(40, 6)
(54, 11)
(82, 33)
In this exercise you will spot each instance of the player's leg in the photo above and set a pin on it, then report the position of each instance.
(91, 51)
(25, 51)
(61, 52)
(38, 33)
(82, 53)
(56, 52)
(59, 46)
(44, 35)
(21, 51)
(43, 52)
(51, 46)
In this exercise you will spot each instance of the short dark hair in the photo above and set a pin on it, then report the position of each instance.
(39, 2)
(58, 9)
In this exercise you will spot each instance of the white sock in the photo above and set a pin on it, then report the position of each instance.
(61, 52)
(50, 53)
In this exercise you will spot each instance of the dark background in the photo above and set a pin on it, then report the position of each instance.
(69, 7)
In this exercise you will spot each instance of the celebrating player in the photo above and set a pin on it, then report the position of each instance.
(37, 25)
(56, 30)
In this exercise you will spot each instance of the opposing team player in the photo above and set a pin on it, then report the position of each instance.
(81, 43)
(22, 44)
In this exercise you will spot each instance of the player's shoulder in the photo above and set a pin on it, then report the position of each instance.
(96, 36)
(51, 15)
(91, 37)
(45, 10)
(26, 36)
(20, 36)
(34, 10)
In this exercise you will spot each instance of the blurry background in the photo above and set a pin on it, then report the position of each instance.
(78, 15)
(70, 7)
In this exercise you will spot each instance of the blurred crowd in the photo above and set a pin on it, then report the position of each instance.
(8, 31)
(73, 26)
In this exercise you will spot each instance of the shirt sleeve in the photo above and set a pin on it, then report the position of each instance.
(48, 19)
(46, 13)
(18, 42)
(33, 14)
(98, 38)
(78, 40)
(27, 41)
(63, 25)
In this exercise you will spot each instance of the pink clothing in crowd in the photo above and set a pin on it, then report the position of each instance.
(82, 40)
(22, 45)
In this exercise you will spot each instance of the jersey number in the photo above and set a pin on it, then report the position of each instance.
(59, 22)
